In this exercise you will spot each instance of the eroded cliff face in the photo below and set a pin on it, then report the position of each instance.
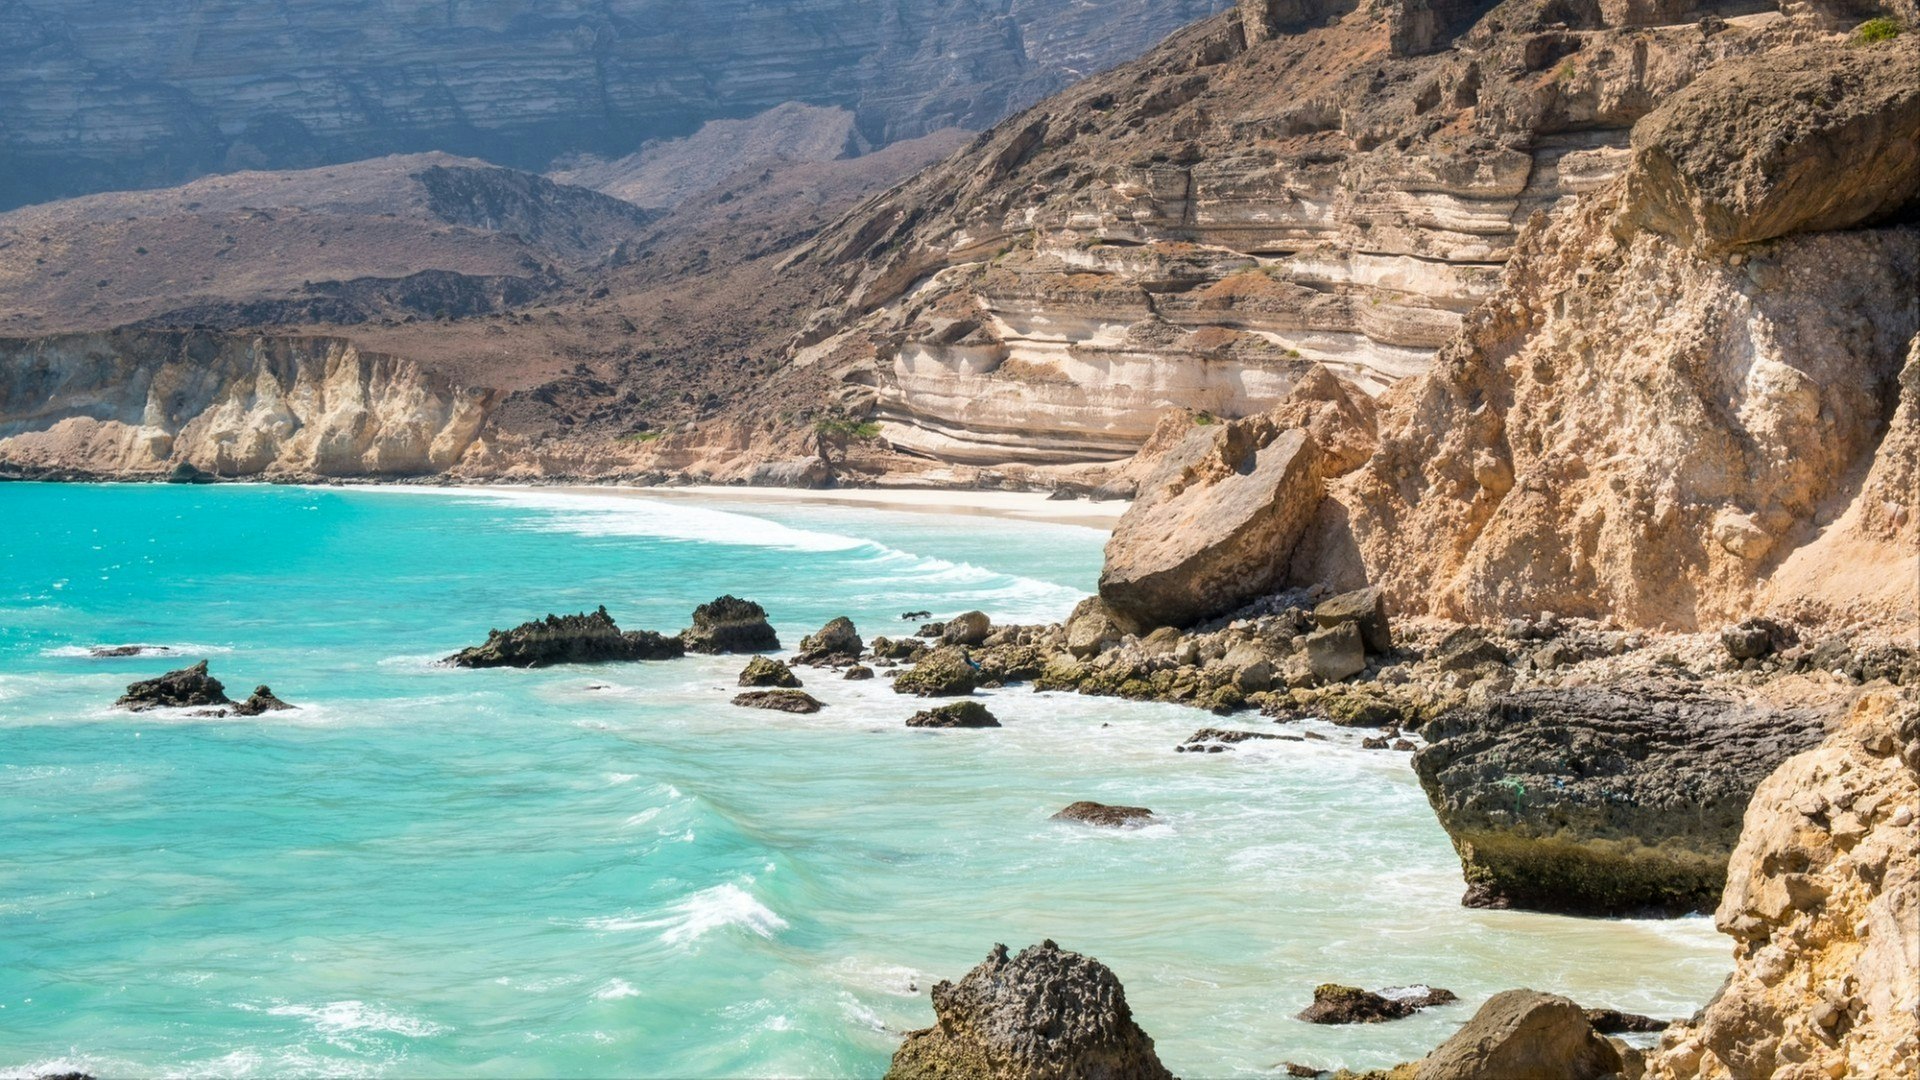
(140, 403)
(105, 95)
(1823, 903)
(1196, 229)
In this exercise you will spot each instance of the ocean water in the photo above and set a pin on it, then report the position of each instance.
(610, 871)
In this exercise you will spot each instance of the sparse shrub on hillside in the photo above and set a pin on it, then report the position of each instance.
(845, 427)
(1877, 30)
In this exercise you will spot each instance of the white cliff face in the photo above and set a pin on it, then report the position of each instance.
(1196, 229)
(133, 403)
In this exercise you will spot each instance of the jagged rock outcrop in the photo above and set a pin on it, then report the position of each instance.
(262, 700)
(960, 714)
(792, 701)
(1823, 904)
(835, 643)
(1043, 1013)
(729, 624)
(766, 671)
(587, 638)
(1524, 1033)
(176, 689)
(1113, 817)
(96, 97)
(1336, 1004)
(141, 402)
(1603, 801)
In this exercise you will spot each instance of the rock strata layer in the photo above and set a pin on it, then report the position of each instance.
(1603, 800)
(1043, 1013)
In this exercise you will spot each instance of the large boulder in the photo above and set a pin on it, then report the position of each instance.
(835, 643)
(970, 628)
(960, 714)
(1823, 906)
(1044, 1014)
(1366, 609)
(766, 671)
(1602, 801)
(1524, 1033)
(1336, 653)
(1214, 525)
(730, 625)
(1091, 630)
(1801, 140)
(587, 638)
(176, 689)
(793, 701)
(944, 672)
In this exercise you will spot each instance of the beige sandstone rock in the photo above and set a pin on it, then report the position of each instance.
(1823, 902)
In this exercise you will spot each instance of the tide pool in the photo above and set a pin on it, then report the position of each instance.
(610, 871)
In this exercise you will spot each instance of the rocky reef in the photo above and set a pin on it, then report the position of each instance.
(1603, 801)
(729, 624)
(960, 714)
(588, 638)
(1043, 1012)
(187, 687)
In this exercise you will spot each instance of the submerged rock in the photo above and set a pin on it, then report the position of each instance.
(1337, 1004)
(1044, 1013)
(766, 671)
(944, 672)
(1524, 1033)
(1093, 813)
(793, 701)
(968, 714)
(1602, 801)
(1615, 1022)
(117, 652)
(176, 689)
(588, 638)
(260, 701)
(1214, 524)
(1214, 740)
(730, 625)
(835, 643)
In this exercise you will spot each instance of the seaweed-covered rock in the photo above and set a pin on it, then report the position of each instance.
(793, 701)
(730, 625)
(1115, 817)
(176, 689)
(957, 715)
(1602, 801)
(835, 643)
(766, 671)
(944, 672)
(1044, 1013)
(588, 638)
(1337, 1004)
(262, 700)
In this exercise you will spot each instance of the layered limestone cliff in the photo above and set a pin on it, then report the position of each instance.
(1195, 229)
(141, 403)
(109, 94)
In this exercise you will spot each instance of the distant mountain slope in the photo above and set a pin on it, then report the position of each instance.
(112, 94)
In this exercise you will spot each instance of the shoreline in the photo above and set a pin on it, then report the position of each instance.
(955, 502)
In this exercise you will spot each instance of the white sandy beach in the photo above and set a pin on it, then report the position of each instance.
(1018, 505)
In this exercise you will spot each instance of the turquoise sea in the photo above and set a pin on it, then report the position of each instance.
(610, 871)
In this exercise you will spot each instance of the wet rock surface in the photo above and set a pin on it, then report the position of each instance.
(766, 671)
(588, 638)
(262, 700)
(1603, 801)
(1337, 1004)
(1524, 1033)
(730, 625)
(1116, 817)
(176, 689)
(793, 701)
(1043, 1013)
(835, 643)
(945, 672)
(960, 714)
(1217, 740)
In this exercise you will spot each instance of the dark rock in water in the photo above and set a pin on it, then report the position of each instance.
(836, 642)
(1214, 740)
(970, 628)
(116, 652)
(1336, 1004)
(1404, 745)
(587, 638)
(1294, 1069)
(730, 625)
(64, 1076)
(1045, 1012)
(957, 715)
(1366, 609)
(898, 649)
(1467, 648)
(766, 671)
(793, 701)
(1373, 742)
(260, 701)
(944, 672)
(859, 671)
(1336, 653)
(1755, 639)
(176, 689)
(909, 616)
(187, 473)
(1524, 1033)
(1093, 813)
(1603, 801)
(930, 630)
(1615, 1022)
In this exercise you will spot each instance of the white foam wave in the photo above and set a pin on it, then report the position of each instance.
(86, 652)
(614, 990)
(345, 1017)
(618, 515)
(698, 915)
